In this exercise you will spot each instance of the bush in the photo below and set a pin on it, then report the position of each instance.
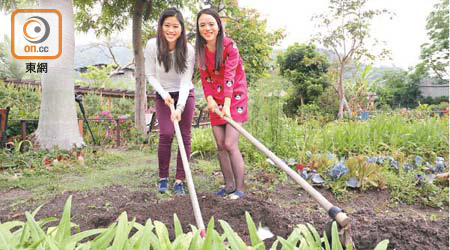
(24, 102)
(202, 142)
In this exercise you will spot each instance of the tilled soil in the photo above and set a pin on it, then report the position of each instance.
(406, 227)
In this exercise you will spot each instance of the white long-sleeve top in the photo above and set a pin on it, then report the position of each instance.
(171, 81)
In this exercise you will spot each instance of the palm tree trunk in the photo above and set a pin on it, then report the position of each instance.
(58, 126)
(140, 99)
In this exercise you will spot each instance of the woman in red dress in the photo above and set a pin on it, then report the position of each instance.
(224, 84)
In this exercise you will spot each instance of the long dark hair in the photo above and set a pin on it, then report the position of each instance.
(200, 41)
(163, 45)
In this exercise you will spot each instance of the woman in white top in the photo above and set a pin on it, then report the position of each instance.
(169, 61)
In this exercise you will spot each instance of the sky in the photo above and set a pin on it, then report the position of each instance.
(403, 35)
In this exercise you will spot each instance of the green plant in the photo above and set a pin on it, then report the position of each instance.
(31, 234)
(97, 76)
(125, 234)
(202, 142)
(309, 112)
(367, 173)
(306, 68)
(24, 103)
(404, 187)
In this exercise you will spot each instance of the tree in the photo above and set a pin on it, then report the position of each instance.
(400, 88)
(8, 6)
(10, 66)
(255, 43)
(306, 69)
(249, 31)
(435, 55)
(58, 125)
(346, 31)
(114, 16)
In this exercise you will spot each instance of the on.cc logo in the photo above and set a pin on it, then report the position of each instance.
(36, 29)
(36, 34)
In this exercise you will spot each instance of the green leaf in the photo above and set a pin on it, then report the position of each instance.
(286, 244)
(309, 239)
(39, 235)
(177, 225)
(72, 240)
(36, 232)
(44, 221)
(154, 241)
(335, 242)
(315, 234)
(218, 242)
(274, 245)
(294, 237)
(325, 240)
(182, 242)
(123, 229)
(163, 235)
(4, 242)
(209, 235)
(195, 242)
(233, 239)
(255, 240)
(104, 239)
(143, 236)
(63, 229)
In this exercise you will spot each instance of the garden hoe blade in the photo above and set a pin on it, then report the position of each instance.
(190, 182)
(334, 212)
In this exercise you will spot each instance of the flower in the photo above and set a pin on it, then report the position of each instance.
(300, 167)
(106, 113)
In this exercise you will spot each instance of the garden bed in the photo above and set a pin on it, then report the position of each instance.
(374, 216)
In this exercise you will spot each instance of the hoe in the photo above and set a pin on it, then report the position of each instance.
(334, 212)
(187, 171)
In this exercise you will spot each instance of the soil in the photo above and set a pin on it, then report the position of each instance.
(374, 218)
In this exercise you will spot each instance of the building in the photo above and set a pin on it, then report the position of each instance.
(428, 89)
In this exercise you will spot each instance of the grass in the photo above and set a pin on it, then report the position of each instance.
(132, 169)
(127, 168)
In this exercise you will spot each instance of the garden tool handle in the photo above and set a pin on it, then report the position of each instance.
(79, 99)
(334, 212)
(187, 171)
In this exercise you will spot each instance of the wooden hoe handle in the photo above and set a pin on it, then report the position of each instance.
(334, 212)
(187, 171)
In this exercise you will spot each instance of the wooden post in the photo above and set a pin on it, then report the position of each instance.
(118, 131)
(23, 124)
(109, 104)
(80, 126)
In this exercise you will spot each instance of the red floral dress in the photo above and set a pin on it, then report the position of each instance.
(228, 82)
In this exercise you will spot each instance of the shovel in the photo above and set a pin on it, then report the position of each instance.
(333, 211)
(187, 171)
